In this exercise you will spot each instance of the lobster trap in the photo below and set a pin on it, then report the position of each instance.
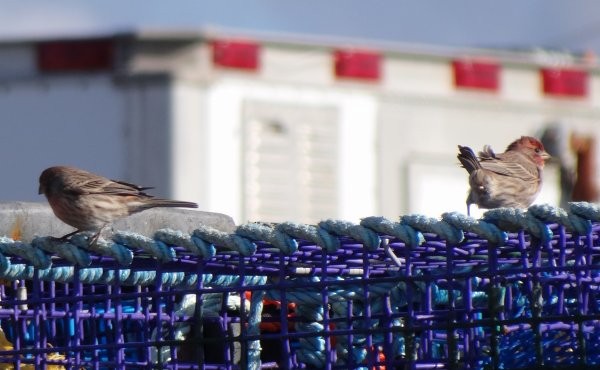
(515, 290)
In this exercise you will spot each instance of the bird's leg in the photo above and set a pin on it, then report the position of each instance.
(65, 237)
(468, 209)
(96, 236)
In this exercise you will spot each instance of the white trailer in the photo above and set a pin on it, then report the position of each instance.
(271, 128)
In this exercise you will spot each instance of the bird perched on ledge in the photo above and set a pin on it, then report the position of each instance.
(89, 202)
(509, 179)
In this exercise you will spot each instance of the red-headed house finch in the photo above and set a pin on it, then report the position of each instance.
(509, 179)
(89, 202)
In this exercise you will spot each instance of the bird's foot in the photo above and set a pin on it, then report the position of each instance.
(94, 239)
(66, 237)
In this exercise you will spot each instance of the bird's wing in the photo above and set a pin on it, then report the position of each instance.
(81, 186)
(102, 185)
(123, 188)
(123, 184)
(504, 165)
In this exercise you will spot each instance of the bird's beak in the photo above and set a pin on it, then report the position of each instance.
(545, 156)
(40, 190)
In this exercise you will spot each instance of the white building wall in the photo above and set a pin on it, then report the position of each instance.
(594, 87)
(357, 156)
(417, 76)
(188, 142)
(521, 83)
(297, 65)
(169, 118)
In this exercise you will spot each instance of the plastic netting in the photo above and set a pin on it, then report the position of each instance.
(380, 295)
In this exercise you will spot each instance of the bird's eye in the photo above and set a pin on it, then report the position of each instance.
(538, 150)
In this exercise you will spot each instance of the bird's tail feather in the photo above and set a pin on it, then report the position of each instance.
(157, 202)
(468, 159)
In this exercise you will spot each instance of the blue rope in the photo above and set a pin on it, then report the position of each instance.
(120, 253)
(254, 320)
(514, 219)
(205, 248)
(98, 275)
(588, 211)
(312, 348)
(405, 233)
(153, 247)
(427, 224)
(311, 295)
(261, 231)
(571, 221)
(310, 233)
(16, 248)
(5, 264)
(450, 227)
(484, 229)
(203, 241)
(231, 241)
(90, 275)
(63, 249)
(357, 352)
(18, 271)
(359, 233)
(179, 238)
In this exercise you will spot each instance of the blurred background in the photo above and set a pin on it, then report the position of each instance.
(280, 110)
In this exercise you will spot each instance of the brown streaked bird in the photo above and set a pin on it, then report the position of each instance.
(89, 202)
(509, 179)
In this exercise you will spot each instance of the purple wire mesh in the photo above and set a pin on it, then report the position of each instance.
(473, 305)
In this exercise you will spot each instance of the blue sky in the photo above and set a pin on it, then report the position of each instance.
(560, 24)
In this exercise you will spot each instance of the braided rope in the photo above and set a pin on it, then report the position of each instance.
(487, 230)
(407, 234)
(261, 231)
(156, 248)
(428, 224)
(571, 221)
(310, 233)
(16, 248)
(359, 233)
(5, 264)
(204, 240)
(310, 295)
(176, 237)
(357, 353)
(231, 241)
(17, 272)
(514, 219)
(102, 247)
(65, 250)
(254, 320)
(312, 348)
(588, 211)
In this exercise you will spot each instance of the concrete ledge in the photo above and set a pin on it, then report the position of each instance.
(26, 220)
